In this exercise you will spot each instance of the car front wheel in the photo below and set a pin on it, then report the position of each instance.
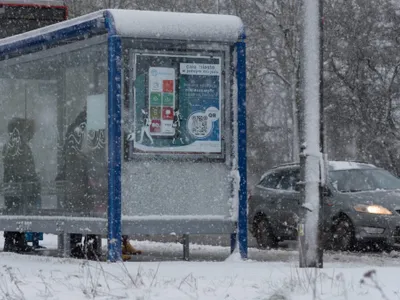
(343, 238)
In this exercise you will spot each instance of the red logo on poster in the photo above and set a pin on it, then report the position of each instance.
(168, 86)
(168, 113)
(155, 126)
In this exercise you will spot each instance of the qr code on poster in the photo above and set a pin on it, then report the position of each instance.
(199, 125)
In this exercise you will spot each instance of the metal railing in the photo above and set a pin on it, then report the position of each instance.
(23, 198)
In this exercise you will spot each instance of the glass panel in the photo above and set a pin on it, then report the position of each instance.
(271, 181)
(177, 103)
(289, 180)
(53, 163)
(357, 180)
(176, 137)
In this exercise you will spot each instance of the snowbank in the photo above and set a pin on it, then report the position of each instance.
(355, 277)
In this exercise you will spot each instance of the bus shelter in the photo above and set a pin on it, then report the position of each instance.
(125, 122)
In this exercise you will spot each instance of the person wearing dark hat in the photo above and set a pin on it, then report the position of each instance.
(83, 195)
(19, 172)
(73, 170)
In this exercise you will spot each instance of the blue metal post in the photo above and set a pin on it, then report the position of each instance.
(242, 164)
(114, 148)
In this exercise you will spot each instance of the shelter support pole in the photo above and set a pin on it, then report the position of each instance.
(114, 148)
(186, 247)
(64, 244)
(242, 163)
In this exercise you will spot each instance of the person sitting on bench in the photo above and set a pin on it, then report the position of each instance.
(20, 173)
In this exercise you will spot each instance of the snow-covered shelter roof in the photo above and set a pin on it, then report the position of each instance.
(136, 24)
(177, 26)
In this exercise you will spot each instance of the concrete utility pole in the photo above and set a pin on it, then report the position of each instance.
(312, 148)
(323, 175)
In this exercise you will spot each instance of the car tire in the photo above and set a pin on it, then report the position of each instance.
(343, 237)
(264, 235)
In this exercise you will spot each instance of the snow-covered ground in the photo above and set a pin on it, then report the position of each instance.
(267, 275)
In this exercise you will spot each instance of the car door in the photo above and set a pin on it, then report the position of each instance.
(264, 198)
(288, 203)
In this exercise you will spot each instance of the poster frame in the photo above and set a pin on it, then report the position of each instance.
(223, 52)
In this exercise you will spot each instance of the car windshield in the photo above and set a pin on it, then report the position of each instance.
(357, 180)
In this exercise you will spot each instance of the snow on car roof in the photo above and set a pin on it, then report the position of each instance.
(348, 165)
(333, 166)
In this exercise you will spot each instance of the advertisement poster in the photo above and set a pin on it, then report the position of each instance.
(161, 101)
(177, 105)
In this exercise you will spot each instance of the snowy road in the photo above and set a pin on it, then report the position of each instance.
(155, 251)
(173, 251)
(215, 248)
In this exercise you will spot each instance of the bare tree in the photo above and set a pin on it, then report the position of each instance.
(362, 81)
(361, 64)
(273, 61)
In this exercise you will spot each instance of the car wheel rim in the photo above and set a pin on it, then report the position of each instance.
(261, 231)
(263, 234)
(343, 236)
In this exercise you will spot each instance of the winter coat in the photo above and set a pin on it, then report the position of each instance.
(73, 169)
(19, 169)
(97, 173)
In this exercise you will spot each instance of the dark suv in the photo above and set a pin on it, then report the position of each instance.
(361, 206)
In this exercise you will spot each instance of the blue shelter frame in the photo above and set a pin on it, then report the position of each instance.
(120, 30)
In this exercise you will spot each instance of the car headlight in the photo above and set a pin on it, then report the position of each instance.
(372, 209)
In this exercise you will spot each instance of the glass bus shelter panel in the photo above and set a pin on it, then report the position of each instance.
(84, 154)
(41, 108)
(52, 138)
(11, 108)
(176, 127)
(175, 189)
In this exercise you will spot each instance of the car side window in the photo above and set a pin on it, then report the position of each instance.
(270, 181)
(288, 180)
